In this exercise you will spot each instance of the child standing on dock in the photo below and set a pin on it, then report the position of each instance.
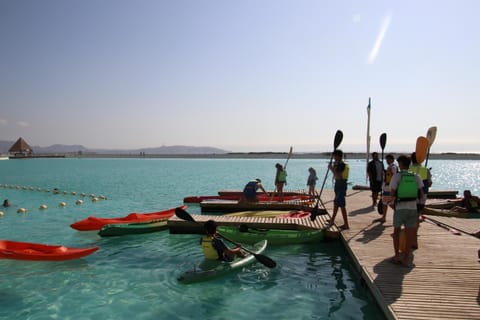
(340, 173)
(406, 187)
(311, 182)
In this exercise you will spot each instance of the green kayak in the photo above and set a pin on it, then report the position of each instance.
(209, 269)
(121, 229)
(248, 235)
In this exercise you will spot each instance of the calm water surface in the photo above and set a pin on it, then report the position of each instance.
(134, 277)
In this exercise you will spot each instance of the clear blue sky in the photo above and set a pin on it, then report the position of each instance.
(259, 75)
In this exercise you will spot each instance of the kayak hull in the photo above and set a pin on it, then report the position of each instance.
(41, 252)
(244, 234)
(211, 269)
(93, 223)
(121, 229)
(260, 197)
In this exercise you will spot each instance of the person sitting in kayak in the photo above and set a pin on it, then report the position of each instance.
(250, 190)
(213, 246)
(469, 203)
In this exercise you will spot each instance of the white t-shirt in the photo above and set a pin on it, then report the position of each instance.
(394, 185)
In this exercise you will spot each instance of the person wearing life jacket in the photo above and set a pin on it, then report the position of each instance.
(386, 196)
(340, 171)
(406, 187)
(213, 246)
(250, 190)
(426, 176)
(280, 180)
(469, 203)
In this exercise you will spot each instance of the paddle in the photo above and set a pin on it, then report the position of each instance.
(431, 135)
(336, 142)
(288, 157)
(266, 261)
(421, 149)
(383, 142)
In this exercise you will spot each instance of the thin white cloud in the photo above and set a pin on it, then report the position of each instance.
(3, 122)
(378, 43)
(23, 124)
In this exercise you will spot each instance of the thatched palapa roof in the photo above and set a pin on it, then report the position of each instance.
(20, 147)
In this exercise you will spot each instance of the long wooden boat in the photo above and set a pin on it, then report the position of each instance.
(121, 229)
(210, 269)
(245, 234)
(444, 213)
(41, 252)
(229, 206)
(94, 223)
(295, 214)
(235, 197)
(240, 192)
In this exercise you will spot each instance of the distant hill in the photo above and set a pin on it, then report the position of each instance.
(63, 149)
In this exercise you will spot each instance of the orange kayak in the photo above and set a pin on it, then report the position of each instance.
(94, 223)
(41, 252)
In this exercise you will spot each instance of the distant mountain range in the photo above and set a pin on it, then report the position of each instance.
(64, 149)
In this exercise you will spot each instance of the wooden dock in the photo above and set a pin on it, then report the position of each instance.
(445, 280)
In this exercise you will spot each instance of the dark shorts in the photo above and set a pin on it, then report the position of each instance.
(376, 186)
(340, 193)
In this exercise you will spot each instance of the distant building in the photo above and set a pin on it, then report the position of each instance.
(21, 148)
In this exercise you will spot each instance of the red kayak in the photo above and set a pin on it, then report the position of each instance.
(40, 252)
(94, 223)
(261, 197)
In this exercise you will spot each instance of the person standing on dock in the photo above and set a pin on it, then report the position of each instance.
(375, 176)
(340, 173)
(406, 187)
(311, 182)
(280, 180)
(426, 177)
(386, 195)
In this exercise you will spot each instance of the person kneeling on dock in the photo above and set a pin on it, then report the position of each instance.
(213, 246)
(406, 188)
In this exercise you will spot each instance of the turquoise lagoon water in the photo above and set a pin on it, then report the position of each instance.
(134, 277)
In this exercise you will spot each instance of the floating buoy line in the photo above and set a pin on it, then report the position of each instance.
(78, 202)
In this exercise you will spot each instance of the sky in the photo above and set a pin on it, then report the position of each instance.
(250, 75)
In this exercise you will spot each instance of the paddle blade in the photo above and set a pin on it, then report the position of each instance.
(421, 149)
(380, 207)
(383, 140)
(338, 139)
(184, 215)
(431, 135)
(266, 261)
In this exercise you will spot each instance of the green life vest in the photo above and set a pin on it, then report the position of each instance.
(282, 176)
(346, 171)
(407, 189)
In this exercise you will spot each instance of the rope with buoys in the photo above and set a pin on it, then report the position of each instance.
(78, 202)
